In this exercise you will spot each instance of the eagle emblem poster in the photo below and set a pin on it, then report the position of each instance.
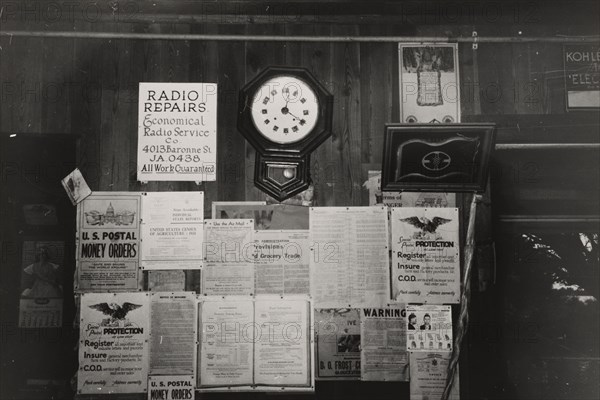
(113, 343)
(425, 255)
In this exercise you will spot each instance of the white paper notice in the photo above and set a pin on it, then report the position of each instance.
(428, 373)
(108, 242)
(282, 259)
(383, 344)
(172, 230)
(226, 343)
(282, 352)
(429, 328)
(229, 261)
(173, 333)
(350, 261)
(113, 343)
(172, 280)
(177, 132)
(425, 255)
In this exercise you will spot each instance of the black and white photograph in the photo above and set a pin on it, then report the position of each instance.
(299, 200)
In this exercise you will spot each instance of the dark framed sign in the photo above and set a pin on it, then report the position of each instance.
(440, 157)
(285, 114)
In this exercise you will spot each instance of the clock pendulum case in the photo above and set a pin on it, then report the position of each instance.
(285, 114)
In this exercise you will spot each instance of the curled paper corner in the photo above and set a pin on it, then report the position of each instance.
(76, 187)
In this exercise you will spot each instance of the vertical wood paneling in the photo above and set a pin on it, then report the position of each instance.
(346, 119)
(260, 55)
(376, 92)
(86, 107)
(118, 133)
(231, 146)
(22, 86)
(496, 79)
(469, 80)
(56, 75)
(114, 164)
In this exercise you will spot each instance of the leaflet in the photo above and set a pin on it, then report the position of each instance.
(274, 216)
(173, 333)
(282, 355)
(350, 261)
(281, 262)
(337, 334)
(383, 344)
(170, 280)
(226, 343)
(113, 345)
(254, 343)
(172, 230)
(229, 261)
(428, 373)
(108, 242)
(429, 328)
(425, 255)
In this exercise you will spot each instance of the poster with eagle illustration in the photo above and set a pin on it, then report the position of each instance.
(113, 343)
(425, 255)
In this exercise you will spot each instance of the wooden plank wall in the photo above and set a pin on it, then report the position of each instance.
(88, 87)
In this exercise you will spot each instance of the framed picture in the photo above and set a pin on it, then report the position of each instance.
(429, 83)
(437, 157)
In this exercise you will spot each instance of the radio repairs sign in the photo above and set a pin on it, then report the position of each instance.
(582, 76)
(177, 132)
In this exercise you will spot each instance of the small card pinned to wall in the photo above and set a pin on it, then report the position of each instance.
(76, 187)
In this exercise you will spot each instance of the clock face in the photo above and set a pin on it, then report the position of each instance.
(285, 109)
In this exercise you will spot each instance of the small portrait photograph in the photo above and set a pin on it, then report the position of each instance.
(426, 326)
(41, 276)
(412, 322)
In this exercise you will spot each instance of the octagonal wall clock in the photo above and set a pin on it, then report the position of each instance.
(285, 114)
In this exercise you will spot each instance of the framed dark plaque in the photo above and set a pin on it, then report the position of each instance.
(440, 157)
(285, 114)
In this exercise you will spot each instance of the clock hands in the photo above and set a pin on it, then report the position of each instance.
(286, 111)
